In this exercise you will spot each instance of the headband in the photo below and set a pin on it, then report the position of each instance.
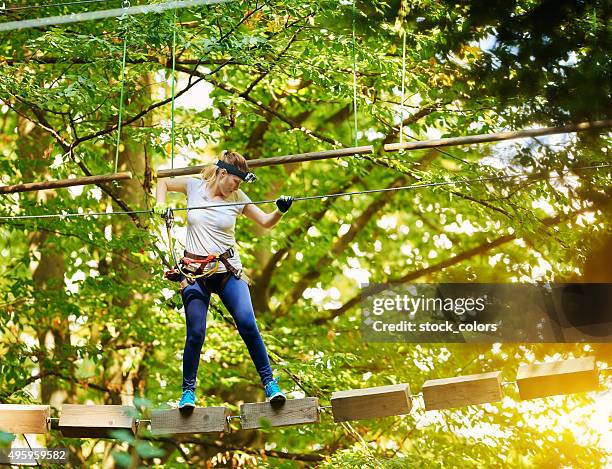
(230, 168)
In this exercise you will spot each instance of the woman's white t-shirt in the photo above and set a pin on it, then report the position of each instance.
(212, 230)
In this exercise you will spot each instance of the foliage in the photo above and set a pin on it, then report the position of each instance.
(83, 304)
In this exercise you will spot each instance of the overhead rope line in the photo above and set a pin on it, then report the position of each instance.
(402, 108)
(50, 5)
(125, 4)
(172, 137)
(457, 182)
(100, 14)
(354, 78)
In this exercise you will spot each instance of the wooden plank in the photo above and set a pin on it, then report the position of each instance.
(201, 420)
(564, 377)
(370, 403)
(96, 421)
(18, 418)
(459, 391)
(291, 412)
(56, 184)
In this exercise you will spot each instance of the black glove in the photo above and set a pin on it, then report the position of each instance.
(284, 202)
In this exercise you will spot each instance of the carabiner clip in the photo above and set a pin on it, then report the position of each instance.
(168, 216)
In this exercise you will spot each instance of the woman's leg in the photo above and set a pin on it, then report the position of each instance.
(196, 299)
(237, 299)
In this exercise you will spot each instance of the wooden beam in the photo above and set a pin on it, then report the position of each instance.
(370, 403)
(447, 393)
(17, 418)
(564, 377)
(58, 183)
(96, 421)
(407, 146)
(201, 420)
(291, 412)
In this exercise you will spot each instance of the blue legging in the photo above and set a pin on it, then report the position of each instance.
(237, 299)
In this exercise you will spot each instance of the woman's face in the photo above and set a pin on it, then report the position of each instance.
(228, 183)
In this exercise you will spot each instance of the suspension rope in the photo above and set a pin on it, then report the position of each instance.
(125, 4)
(354, 78)
(172, 138)
(457, 182)
(403, 108)
(49, 5)
(100, 14)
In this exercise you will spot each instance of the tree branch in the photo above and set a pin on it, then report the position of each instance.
(254, 451)
(453, 260)
(294, 125)
(264, 278)
(339, 246)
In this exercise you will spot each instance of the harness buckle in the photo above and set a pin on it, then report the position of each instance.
(168, 216)
(191, 267)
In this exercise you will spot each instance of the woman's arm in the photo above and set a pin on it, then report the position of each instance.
(267, 220)
(169, 185)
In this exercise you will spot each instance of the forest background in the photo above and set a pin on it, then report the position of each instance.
(86, 317)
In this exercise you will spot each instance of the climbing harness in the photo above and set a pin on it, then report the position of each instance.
(192, 267)
(192, 270)
(214, 282)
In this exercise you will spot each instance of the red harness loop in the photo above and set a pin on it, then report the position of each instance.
(205, 261)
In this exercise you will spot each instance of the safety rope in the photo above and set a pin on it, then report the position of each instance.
(125, 5)
(403, 108)
(50, 5)
(456, 182)
(172, 138)
(354, 78)
(403, 102)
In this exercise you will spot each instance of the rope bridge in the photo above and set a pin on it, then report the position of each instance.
(100, 421)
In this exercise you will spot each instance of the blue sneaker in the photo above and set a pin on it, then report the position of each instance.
(273, 392)
(187, 400)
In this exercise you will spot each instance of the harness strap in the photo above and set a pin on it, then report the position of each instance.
(211, 285)
(224, 258)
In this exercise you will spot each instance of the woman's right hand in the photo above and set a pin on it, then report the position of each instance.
(160, 208)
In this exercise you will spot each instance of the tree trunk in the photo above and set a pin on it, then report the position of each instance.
(53, 334)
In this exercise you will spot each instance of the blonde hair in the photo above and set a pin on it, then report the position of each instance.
(209, 173)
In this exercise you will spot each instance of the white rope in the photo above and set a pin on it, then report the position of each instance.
(100, 14)
(403, 108)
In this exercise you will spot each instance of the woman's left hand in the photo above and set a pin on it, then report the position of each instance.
(284, 202)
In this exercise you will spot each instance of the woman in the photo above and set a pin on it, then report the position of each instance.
(211, 231)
